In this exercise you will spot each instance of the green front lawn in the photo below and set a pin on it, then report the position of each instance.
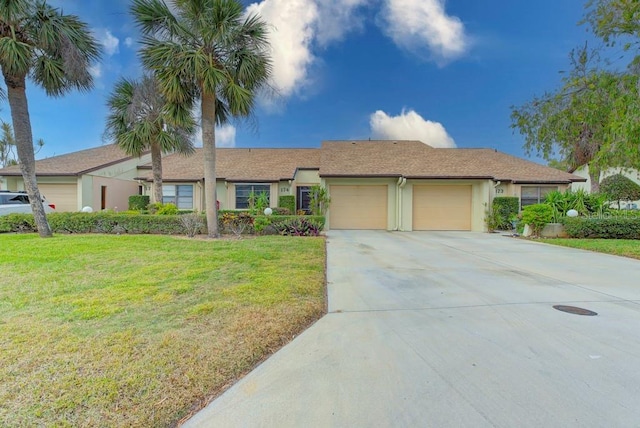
(104, 330)
(618, 247)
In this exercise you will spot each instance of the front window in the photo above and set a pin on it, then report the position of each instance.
(244, 190)
(180, 195)
(530, 195)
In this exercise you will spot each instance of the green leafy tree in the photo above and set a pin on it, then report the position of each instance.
(55, 52)
(139, 120)
(205, 50)
(611, 19)
(620, 188)
(580, 121)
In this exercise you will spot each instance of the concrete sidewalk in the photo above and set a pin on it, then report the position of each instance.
(453, 329)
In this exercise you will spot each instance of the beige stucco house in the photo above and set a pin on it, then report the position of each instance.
(100, 178)
(387, 185)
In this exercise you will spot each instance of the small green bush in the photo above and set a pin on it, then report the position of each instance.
(281, 211)
(260, 222)
(167, 209)
(288, 202)
(537, 216)
(138, 202)
(604, 228)
(20, 223)
(505, 208)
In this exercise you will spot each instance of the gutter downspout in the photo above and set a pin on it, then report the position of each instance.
(401, 183)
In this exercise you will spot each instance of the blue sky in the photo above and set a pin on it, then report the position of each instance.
(442, 72)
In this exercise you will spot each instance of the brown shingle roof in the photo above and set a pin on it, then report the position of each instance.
(260, 165)
(413, 159)
(75, 163)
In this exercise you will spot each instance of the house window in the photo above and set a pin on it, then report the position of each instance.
(244, 190)
(303, 198)
(181, 196)
(530, 195)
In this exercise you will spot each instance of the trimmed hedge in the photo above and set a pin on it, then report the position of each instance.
(109, 222)
(505, 207)
(603, 228)
(139, 202)
(102, 222)
(287, 201)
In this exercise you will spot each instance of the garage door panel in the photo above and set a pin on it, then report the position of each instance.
(442, 207)
(359, 207)
(63, 196)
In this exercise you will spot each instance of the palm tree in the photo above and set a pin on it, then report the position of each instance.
(8, 143)
(55, 51)
(139, 120)
(208, 51)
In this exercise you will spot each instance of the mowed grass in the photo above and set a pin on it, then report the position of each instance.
(140, 331)
(618, 247)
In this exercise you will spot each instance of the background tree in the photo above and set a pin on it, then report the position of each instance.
(208, 51)
(611, 19)
(53, 50)
(620, 188)
(8, 144)
(140, 120)
(579, 121)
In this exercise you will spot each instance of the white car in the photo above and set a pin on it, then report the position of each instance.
(18, 202)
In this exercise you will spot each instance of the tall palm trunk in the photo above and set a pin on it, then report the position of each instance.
(156, 168)
(208, 111)
(16, 93)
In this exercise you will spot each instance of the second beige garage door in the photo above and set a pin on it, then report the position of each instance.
(441, 207)
(63, 196)
(358, 207)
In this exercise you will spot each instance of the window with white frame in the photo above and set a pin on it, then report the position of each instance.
(530, 195)
(244, 190)
(181, 195)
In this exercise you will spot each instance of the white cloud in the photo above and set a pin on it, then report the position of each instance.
(128, 42)
(108, 41)
(416, 24)
(225, 136)
(297, 26)
(291, 35)
(336, 18)
(409, 125)
(95, 70)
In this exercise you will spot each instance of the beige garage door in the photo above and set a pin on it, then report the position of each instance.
(442, 207)
(63, 196)
(358, 207)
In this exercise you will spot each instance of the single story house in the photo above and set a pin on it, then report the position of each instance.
(100, 178)
(387, 185)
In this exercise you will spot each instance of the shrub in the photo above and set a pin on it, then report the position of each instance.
(605, 228)
(237, 223)
(581, 201)
(492, 219)
(260, 222)
(167, 209)
(620, 188)
(505, 209)
(281, 211)
(192, 223)
(318, 220)
(537, 216)
(299, 226)
(138, 202)
(19, 223)
(319, 200)
(288, 202)
(100, 222)
(301, 212)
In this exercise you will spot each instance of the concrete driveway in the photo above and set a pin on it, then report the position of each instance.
(442, 329)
